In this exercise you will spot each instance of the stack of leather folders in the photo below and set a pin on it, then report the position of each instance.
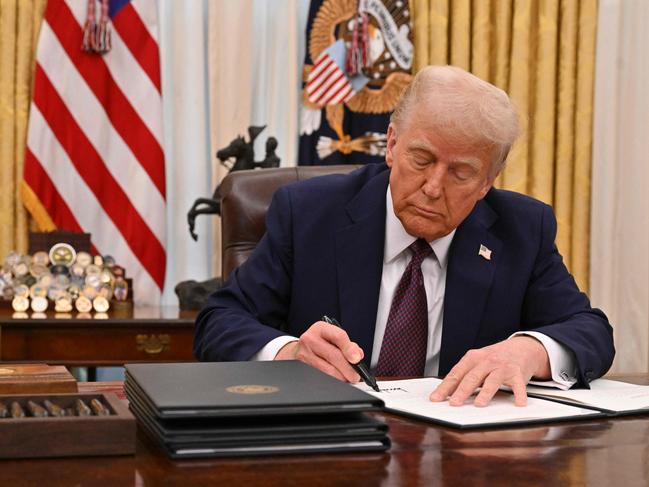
(251, 408)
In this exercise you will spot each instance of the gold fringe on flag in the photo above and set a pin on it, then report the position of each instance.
(36, 209)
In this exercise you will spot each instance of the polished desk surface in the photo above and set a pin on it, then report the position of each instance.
(606, 452)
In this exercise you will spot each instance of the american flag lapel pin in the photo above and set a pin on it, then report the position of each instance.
(484, 252)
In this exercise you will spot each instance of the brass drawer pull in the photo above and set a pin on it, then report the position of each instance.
(152, 344)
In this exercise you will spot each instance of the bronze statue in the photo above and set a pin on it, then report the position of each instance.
(192, 295)
(244, 158)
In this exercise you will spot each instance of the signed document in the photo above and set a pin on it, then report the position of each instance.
(410, 397)
(609, 396)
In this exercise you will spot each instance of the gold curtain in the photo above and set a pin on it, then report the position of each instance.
(542, 52)
(20, 22)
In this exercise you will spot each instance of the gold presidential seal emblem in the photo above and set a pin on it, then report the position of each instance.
(252, 389)
(361, 54)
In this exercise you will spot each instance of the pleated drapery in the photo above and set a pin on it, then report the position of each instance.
(542, 53)
(619, 278)
(20, 22)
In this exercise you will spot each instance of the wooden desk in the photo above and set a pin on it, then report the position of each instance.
(140, 335)
(612, 452)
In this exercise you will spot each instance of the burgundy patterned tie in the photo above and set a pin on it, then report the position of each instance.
(403, 351)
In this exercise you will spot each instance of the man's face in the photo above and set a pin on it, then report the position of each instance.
(434, 184)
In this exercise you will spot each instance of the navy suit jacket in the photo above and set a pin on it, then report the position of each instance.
(323, 254)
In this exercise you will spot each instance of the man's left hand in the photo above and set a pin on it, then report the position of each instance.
(512, 362)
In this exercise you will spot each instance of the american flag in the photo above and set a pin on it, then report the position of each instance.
(327, 83)
(94, 159)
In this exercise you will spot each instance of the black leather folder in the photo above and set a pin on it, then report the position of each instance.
(251, 408)
(228, 389)
(202, 437)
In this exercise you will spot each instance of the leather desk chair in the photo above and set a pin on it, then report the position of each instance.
(245, 198)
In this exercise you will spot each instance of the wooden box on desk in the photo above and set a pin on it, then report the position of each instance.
(67, 436)
(35, 379)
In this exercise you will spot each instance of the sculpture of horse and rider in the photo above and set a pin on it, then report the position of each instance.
(244, 158)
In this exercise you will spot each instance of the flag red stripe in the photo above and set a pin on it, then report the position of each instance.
(346, 94)
(313, 85)
(124, 118)
(328, 78)
(334, 80)
(92, 169)
(317, 82)
(41, 184)
(135, 35)
(324, 58)
(342, 87)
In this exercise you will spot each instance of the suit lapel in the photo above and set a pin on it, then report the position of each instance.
(468, 281)
(360, 262)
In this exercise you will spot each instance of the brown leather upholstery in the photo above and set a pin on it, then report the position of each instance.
(245, 198)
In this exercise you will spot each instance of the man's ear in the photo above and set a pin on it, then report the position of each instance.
(491, 178)
(392, 140)
(485, 189)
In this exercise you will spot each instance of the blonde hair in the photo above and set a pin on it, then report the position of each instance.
(463, 108)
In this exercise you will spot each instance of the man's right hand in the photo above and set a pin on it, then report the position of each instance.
(327, 348)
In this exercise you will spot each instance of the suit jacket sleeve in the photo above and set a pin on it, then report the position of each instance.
(252, 306)
(553, 297)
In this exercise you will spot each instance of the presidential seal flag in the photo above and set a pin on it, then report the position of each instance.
(358, 61)
(94, 161)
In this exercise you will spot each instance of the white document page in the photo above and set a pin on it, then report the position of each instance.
(603, 393)
(411, 397)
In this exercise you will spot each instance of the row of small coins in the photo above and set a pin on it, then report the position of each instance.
(15, 410)
(62, 304)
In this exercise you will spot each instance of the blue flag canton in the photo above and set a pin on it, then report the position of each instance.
(114, 6)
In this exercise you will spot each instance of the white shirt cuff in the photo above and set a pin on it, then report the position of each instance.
(269, 350)
(562, 362)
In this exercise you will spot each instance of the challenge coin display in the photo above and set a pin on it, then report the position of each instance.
(37, 291)
(106, 291)
(37, 270)
(21, 269)
(12, 259)
(77, 270)
(58, 278)
(46, 280)
(90, 291)
(62, 254)
(39, 304)
(41, 258)
(22, 290)
(83, 304)
(100, 304)
(84, 259)
(63, 304)
(20, 303)
(93, 270)
(93, 280)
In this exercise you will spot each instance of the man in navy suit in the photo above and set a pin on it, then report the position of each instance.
(498, 305)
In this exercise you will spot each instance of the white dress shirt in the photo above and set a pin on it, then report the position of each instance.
(395, 260)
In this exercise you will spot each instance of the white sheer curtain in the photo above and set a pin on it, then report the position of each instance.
(255, 54)
(183, 59)
(620, 181)
(225, 65)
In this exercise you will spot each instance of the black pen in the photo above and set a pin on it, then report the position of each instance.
(359, 367)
